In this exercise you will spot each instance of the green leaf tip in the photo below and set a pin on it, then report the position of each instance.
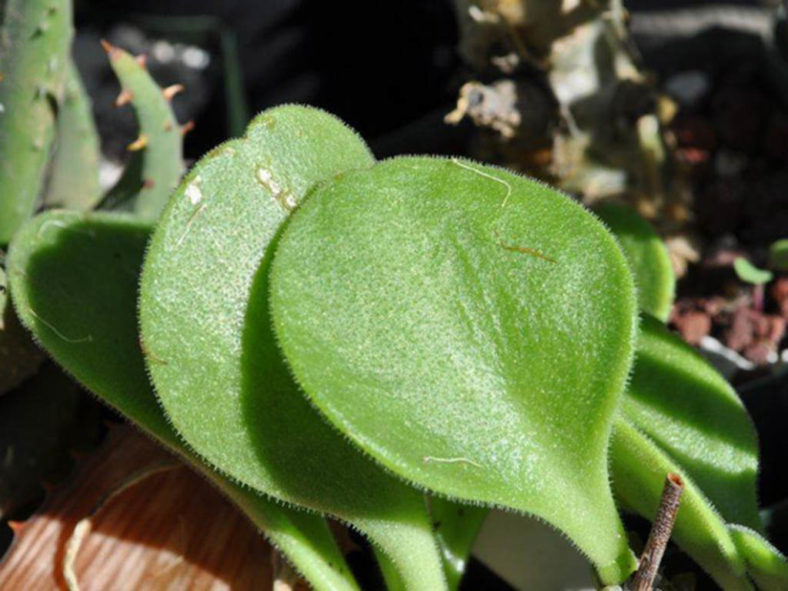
(449, 324)
(778, 255)
(765, 564)
(647, 256)
(155, 174)
(749, 273)
(211, 351)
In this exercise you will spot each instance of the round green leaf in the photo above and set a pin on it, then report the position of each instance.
(470, 329)
(210, 348)
(647, 257)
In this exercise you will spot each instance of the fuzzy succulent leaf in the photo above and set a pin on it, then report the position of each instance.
(638, 467)
(647, 257)
(36, 37)
(74, 170)
(687, 408)
(456, 526)
(160, 141)
(74, 283)
(678, 414)
(765, 564)
(470, 329)
(212, 354)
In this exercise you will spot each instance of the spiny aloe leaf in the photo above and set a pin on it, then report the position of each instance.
(456, 527)
(693, 414)
(213, 357)
(765, 564)
(749, 273)
(470, 329)
(36, 38)
(647, 257)
(19, 356)
(74, 176)
(160, 139)
(74, 282)
(639, 468)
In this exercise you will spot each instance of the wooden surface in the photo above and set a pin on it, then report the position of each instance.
(169, 529)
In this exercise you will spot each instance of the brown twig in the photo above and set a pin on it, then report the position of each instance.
(643, 579)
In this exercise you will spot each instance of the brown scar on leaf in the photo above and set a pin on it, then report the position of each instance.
(149, 355)
(524, 249)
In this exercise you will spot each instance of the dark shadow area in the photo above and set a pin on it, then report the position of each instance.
(82, 290)
(767, 403)
(42, 423)
(86, 282)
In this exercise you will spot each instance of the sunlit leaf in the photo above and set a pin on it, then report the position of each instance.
(693, 414)
(639, 468)
(765, 564)
(470, 329)
(212, 354)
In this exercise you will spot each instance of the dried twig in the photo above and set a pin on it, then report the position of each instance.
(643, 579)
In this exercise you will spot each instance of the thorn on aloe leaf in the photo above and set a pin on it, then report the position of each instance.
(187, 127)
(111, 50)
(142, 60)
(138, 144)
(171, 91)
(124, 98)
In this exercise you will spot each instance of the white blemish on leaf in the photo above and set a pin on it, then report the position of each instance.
(281, 195)
(428, 459)
(193, 191)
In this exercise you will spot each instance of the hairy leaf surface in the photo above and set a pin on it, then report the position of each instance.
(74, 281)
(639, 468)
(470, 329)
(212, 354)
(693, 414)
(765, 564)
(679, 415)
(647, 257)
